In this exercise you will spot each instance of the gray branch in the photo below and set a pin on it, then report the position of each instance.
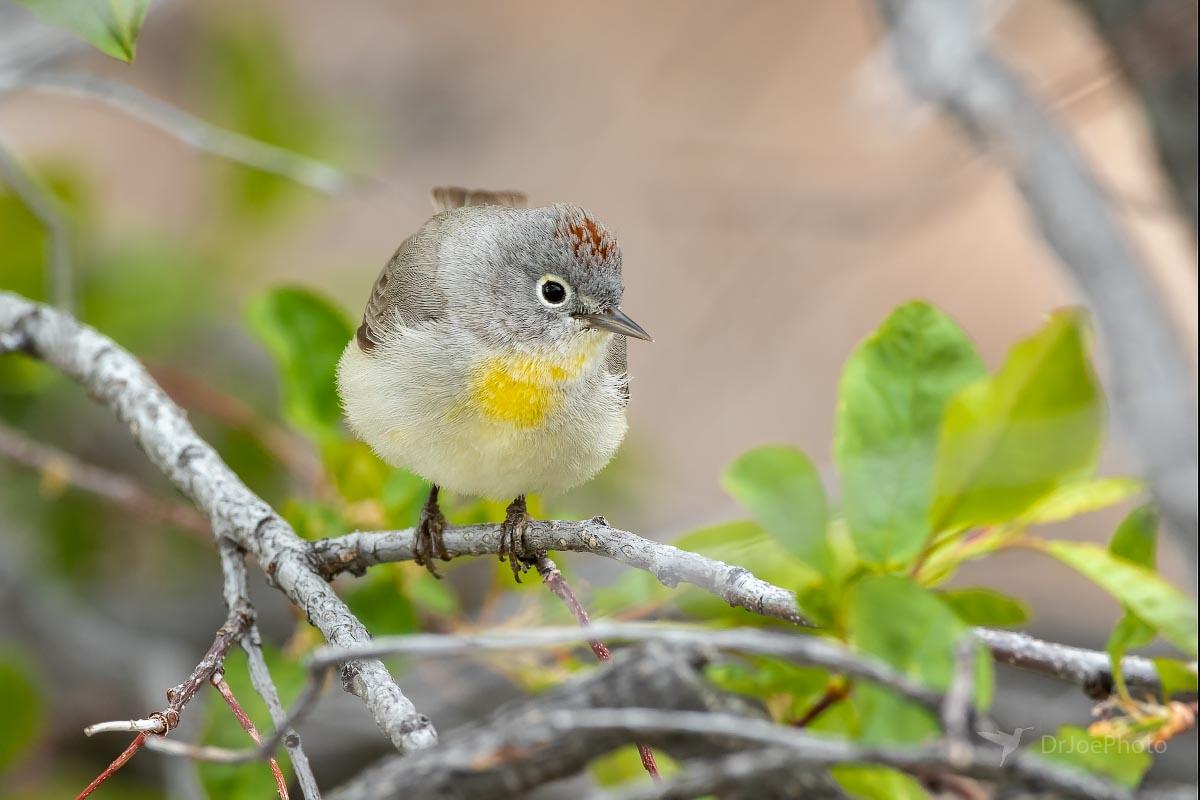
(237, 593)
(941, 52)
(355, 552)
(117, 380)
(192, 131)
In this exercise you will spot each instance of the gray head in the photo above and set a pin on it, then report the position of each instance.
(537, 276)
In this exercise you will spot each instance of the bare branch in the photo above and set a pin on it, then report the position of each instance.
(218, 680)
(941, 52)
(233, 565)
(115, 378)
(43, 205)
(123, 491)
(355, 552)
(670, 565)
(194, 132)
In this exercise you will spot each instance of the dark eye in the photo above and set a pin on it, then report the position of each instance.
(554, 293)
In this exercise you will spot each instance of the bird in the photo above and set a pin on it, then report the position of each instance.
(1007, 741)
(491, 358)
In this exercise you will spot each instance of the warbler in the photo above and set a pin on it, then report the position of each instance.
(491, 358)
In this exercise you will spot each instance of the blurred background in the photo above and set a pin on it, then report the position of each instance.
(775, 194)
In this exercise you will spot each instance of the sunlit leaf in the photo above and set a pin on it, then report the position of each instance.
(111, 26)
(1156, 602)
(1113, 758)
(893, 392)
(1010, 440)
(1081, 497)
(981, 606)
(305, 335)
(781, 488)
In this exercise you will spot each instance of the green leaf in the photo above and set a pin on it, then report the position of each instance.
(1010, 440)
(869, 782)
(22, 704)
(1176, 677)
(1130, 633)
(1117, 759)
(305, 335)
(910, 628)
(1081, 497)
(781, 488)
(1156, 602)
(893, 392)
(979, 606)
(111, 26)
(1135, 539)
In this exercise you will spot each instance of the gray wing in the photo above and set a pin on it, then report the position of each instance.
(448, 198)
(406, 291)
(615, 363)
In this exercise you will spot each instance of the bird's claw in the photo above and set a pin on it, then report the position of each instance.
(512, 538)
(429, 540)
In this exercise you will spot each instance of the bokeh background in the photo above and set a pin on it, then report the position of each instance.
(774, 191)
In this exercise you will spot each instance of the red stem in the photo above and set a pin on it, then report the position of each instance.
(556, 583)
(248, 726)
(112, 768)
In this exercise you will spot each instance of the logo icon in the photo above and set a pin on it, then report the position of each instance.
(1008, 741)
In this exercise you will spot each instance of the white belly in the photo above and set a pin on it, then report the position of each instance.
(410, 401)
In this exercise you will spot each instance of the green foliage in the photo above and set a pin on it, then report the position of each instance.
(111, 26)
(1074, 747)
(1009, 440)
(1156, 602)
(1135, 541)
(869, 782)
(1081, 497)
(305, 335)
(781, 488)
(909, 627)
(893, 392)
(1177, 677)
(982, 606)
(23, 707)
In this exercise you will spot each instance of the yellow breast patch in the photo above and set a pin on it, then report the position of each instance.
(524, 390)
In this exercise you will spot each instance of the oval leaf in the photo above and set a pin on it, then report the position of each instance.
(893, 392)
(780, 487)
(1143, 592)
(1010, 440)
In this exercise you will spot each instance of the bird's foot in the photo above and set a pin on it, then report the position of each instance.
(429, 535)
(512, 537)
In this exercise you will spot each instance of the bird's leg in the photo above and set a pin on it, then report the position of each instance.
(512, 536)
(429, 534)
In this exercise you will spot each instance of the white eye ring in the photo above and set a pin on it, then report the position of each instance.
(553, 291)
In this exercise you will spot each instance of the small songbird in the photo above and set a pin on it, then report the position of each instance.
(491, 357)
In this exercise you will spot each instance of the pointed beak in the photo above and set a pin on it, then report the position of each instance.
(616, 321)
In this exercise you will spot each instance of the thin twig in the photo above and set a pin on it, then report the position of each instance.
(45, 207)
(557, 584)
(62, 467)
(112, 768)
(837, 690)
(218, 680)
(192, 131)
(236, 590)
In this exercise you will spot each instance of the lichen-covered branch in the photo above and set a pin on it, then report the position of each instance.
(356, 552)
(117, 380)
